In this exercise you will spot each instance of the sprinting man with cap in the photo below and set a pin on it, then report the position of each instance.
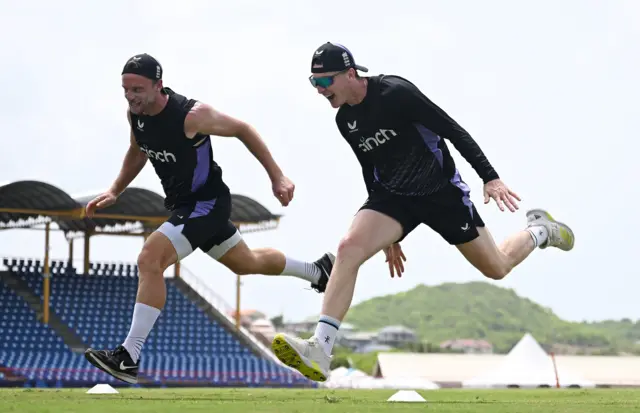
(173, 132)
(398, 136)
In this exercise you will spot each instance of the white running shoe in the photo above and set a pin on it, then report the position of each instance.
(560, 235)
(306, 356)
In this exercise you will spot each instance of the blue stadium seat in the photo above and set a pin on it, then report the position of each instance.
(20, 328)
(185, 344)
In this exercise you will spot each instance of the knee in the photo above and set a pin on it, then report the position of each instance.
(496, 272)
(149, 263)
(351, 251)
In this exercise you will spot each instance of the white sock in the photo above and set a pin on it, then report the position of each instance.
(326, 331)
(144, 317)
(305, 270)
(539, 234)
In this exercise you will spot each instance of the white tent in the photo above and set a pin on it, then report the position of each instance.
(527, 366)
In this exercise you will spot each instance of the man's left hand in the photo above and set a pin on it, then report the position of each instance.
(500, 193)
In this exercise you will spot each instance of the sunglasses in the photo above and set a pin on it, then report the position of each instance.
(323, 82)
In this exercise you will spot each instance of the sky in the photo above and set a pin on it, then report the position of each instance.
(548, 91)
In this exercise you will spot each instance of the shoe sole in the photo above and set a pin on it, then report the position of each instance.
(548, 217)
(99, 364)
(287, 354)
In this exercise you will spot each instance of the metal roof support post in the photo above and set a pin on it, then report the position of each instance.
(71, 251)
(46, 273)
(87, 246)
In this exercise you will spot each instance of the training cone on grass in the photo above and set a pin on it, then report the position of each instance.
(102, 389)
(407, 396)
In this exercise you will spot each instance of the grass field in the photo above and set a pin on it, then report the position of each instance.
(308, 401)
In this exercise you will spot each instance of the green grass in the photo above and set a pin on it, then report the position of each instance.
(326, 401)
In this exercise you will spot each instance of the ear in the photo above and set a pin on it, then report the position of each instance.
(159, 84)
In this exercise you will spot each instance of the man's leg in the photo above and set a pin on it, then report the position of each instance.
(156, 256)
(232, 251)
(451, 213)
(163, 248)
(370, 232)
(496, 262)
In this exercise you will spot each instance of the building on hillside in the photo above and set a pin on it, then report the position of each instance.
(386, 339)
(396, 336)
(357, 341)
(345, 329)
(300, 327)
(373, 348)
(468, 346)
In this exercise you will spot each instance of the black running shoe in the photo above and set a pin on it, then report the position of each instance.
(325, 264)
(117, 363)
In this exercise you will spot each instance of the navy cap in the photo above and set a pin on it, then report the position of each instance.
(143, 65)
(332, 57)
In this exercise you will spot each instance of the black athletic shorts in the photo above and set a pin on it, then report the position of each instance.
(204, 224)
(449, 212)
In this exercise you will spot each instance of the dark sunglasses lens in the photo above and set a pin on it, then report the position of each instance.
(322, 81)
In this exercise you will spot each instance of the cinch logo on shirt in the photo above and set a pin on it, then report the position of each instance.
(163, 156)
(380, 137)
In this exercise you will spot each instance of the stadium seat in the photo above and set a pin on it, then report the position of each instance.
(184, 346)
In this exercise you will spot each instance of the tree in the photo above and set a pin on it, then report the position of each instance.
(278, 321)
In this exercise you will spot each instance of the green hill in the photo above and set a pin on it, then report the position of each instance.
(484, 311)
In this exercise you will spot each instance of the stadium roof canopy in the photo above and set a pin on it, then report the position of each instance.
(29, 203)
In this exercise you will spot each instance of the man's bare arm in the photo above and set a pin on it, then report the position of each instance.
(134, 161)
(204, 119)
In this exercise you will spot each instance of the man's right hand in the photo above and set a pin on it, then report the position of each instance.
(283, 189)
(101, 201)
(395, 258)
